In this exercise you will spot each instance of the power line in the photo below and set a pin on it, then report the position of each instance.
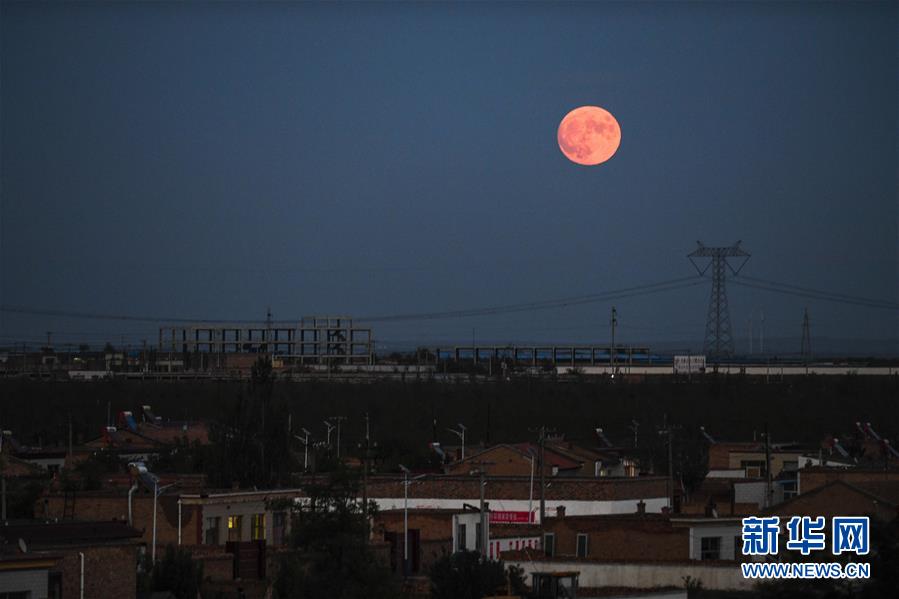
(793, 290)
(671, 285)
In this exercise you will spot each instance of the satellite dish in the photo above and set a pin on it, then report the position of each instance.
(22, 546)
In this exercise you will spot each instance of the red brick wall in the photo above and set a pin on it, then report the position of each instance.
(432, 526)
(834, 500)
(812, 478)
(108, 572)
(621, 541)
(105, 507)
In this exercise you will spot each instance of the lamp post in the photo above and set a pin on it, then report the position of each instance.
(305, 440)
(531, 492)
(406, 482)
(461, 434)
(330, 428)
(338, 419)
(156, 491)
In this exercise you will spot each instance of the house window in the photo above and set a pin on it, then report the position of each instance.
(212, 530)
(461, 531)
(582, 545)
(710, 548)
(753, 468)
(258, 530)
(235, 524)
(597, 468)
(279, 528)
(549, 544)
(738, 547)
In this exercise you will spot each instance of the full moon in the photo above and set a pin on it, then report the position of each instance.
(589, 135)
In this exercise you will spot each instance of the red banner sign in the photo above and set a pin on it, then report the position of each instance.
(511, 517)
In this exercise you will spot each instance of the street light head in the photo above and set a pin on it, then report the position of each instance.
(404, 469)
(461, 426)
(305, 432)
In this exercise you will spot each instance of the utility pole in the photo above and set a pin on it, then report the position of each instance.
(339, 419)
(750, 333)
(806, 347)
(762, 335)
(718, 342)
(613, 322)
(667, 430)
(365, 445)
(542, 440)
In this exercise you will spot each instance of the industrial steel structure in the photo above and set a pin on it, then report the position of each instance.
(718, 342)
(314, 340)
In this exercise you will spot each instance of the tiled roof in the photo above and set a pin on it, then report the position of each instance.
(68, 533)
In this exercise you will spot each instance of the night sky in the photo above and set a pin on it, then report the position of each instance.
(212, 160)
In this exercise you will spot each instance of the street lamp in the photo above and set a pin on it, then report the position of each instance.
(406, 482)
(157, 490)
(305, 440)
(461, 434)
(331, 427)
(531, 457)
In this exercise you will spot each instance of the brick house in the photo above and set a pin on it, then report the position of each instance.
(110, 550)
(812, 478)
(641, 537)
(842, 498)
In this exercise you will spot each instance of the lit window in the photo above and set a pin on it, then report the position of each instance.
(258, 527)
(235, 524)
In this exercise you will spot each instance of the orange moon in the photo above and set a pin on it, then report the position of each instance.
(589, 135)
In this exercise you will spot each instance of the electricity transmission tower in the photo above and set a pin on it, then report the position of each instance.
(718, 342)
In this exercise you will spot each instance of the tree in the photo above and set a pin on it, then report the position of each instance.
(331, 557)
(251, 445)
(176, 572)
(466, 575)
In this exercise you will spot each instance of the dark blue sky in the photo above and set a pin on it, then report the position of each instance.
(212, 160)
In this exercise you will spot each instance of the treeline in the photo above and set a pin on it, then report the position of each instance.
(412, 413)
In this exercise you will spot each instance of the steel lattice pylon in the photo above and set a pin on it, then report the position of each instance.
(718, 340)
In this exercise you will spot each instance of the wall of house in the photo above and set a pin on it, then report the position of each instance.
(624, 542)
(108, 572)
(431, 526)
(812, 478)
(105, 507)
(573, 507)
(246, 510)
(643, 575)
(836, 500)
(730, 547)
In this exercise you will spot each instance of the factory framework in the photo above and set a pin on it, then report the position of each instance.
(314, 340)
